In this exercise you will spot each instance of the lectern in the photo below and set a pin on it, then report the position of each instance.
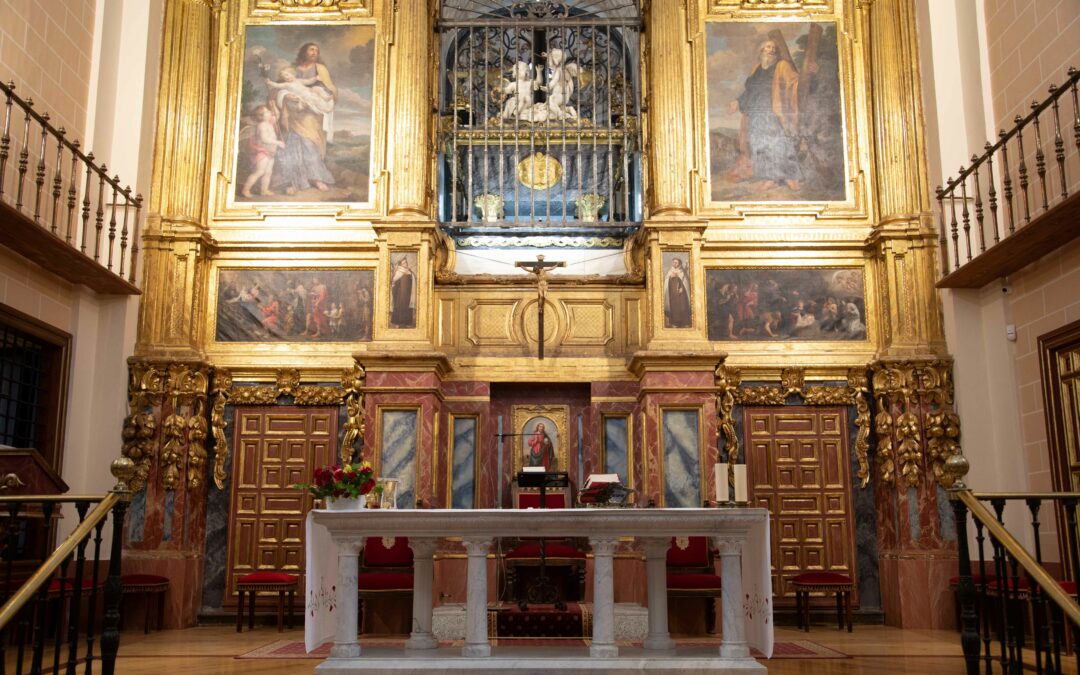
(541, 589)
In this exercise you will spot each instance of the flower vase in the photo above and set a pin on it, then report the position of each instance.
(346, 503)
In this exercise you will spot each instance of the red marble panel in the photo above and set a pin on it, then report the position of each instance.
(402, 379)
(915, 589)
(466, 388)
(615, 388)
(184, 597)
(680, 379)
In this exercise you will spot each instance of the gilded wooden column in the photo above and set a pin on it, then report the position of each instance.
(410, 101)
(174, 242)
(669, 109)
(903, 239)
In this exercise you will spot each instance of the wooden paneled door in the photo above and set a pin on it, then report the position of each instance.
(274, 449)
(798, 465)
(1059, 357)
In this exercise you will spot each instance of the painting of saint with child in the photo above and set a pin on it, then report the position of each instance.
(305, 114)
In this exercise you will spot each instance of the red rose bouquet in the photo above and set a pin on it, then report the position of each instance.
(341, 482)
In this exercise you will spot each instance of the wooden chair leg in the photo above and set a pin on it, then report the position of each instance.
(840, 610)
(360, 616)
(798, 609)
(148, 598)
(806, 611)
(847, 609)
(251, 610)
(280, 611)
(710, 616)
(161, 610)
(240, 611)
(292, 597)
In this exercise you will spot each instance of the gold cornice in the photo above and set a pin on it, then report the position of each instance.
(644, 362)
(405, 361)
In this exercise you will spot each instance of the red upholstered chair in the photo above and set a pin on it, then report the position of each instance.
(558, 553)
(151, 588)
(385, 572)
(691, 573)
(264, 582)
(823, 582)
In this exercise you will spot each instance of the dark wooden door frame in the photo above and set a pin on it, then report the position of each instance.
(1050, 345)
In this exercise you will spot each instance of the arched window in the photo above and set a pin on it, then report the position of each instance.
(539, 117)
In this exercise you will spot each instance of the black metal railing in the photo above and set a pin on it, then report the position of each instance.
(56, 601)
(47, 177)
(1013, 613)
(997, 193)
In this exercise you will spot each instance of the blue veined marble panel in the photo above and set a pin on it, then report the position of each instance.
(682, 458)
(463, 495)
(399, 443)
(615, 447)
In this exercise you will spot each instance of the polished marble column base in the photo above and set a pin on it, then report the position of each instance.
(421, 641)
(476, 650)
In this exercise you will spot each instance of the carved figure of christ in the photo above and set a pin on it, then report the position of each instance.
(540, 268)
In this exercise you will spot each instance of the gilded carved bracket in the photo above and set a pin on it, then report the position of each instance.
(287, 383)
(180, 390)
(317, 9)
(915, 421)
(792, 382)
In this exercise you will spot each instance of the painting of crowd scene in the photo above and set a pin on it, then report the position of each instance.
(785, 304)
(305, 114)
(294, 305)
(776, 128)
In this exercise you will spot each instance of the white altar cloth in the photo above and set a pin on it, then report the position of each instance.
(739, 530)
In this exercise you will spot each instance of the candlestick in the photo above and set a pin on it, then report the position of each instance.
(740, 483)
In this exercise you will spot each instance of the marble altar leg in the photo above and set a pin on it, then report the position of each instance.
(733, 644)
(423, 576)
(603, 631)
(658, 638)
(345, 643)
(476, 630)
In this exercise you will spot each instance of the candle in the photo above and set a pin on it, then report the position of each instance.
(740, 483)
(499, 478)
(720, 475)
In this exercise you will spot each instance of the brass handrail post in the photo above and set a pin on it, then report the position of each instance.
(957, 467)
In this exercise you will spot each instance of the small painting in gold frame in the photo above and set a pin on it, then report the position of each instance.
(541, 436)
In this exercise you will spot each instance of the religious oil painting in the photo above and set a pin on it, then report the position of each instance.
(786, 304)
(776, 126)
(273, 305)
(305, 114)
(540, 437)
(403, 290)
(678, 297)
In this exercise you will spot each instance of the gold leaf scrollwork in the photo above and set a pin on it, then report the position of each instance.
(253, 395)
(909, 452)
(173, 433)
(197, 432)
(221, 446)
(319, 395)
(792, 380)
(352, 382)
(827, 396)
(288, 381)
(942, 423)
(761, 396)
(138, 442)
(858, 389)
(727, 382)
(883, 423)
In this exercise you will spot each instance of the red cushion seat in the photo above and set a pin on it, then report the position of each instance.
(69, 585)
(132, 580)
(822, 579)
(693, 582)
(696, 553)
(267, 578)
(384, 581)
(378, 555)
(551, 551)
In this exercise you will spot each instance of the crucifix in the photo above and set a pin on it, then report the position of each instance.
(540, 269)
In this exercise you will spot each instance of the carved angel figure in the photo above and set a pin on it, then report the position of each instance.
(560, 86)
(519, 92)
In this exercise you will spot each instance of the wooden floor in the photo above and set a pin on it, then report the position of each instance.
(876, 650)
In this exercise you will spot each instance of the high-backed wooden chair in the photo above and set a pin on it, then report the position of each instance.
(524, 554)
(385, 572)
(691, 573)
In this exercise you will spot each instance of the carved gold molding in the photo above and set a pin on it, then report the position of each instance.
(180, 389)
(792, 382)
(915, 422)
(769, 5)
(287, 383)
(319, 9)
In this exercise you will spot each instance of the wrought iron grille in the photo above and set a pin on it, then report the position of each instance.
(23, 394)
(540, 112)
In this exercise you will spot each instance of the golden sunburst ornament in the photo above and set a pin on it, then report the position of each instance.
(539, 171)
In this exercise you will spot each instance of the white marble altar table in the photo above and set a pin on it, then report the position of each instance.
(740, 534)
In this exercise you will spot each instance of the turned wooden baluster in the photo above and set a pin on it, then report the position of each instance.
(99, 214)
(124, 231)
(992, 192)
(58, 181)
(1040, 157)
(39, 173)
(955, 231)
(24, 155)
(135, 239)
(1059, 143)
(943, 243)
(1007, 181)
(1022, 171)
(86, 202)
(965, 214)
(112, 222)
(73, 191)
(979, 205)
(5, 138)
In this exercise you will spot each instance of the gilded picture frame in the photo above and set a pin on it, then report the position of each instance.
(526, 420)
(825, 156)
(354, 49)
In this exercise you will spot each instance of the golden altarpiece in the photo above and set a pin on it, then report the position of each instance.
(731, 204)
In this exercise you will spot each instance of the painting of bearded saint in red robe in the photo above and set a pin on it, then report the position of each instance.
(540, 440)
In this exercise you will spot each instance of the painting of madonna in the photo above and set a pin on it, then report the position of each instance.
(305, 126)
